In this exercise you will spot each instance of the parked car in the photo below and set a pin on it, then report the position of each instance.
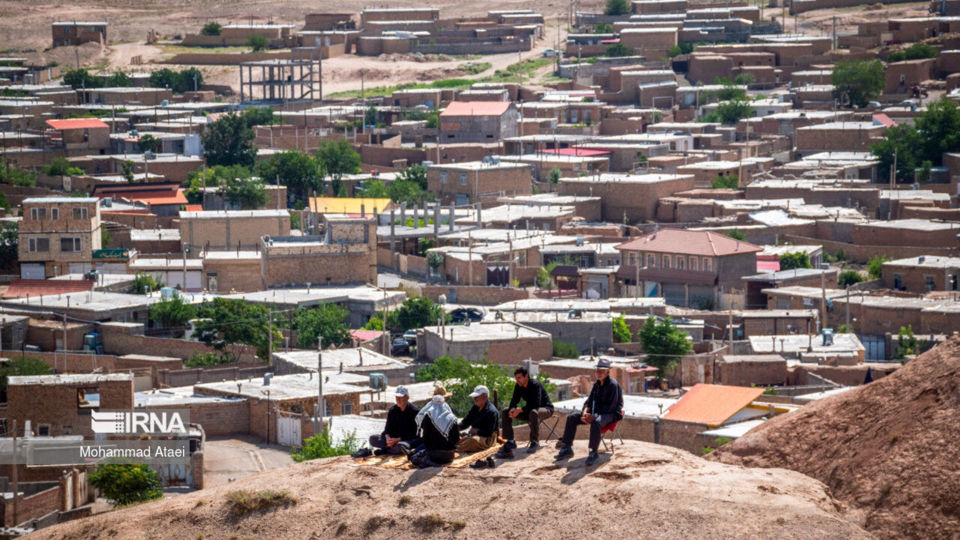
(400, 347)
(550, 53)
(411, 337)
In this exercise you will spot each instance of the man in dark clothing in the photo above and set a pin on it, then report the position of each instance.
(603, 406)
(482, 421)
(401, 426)
(536, 407)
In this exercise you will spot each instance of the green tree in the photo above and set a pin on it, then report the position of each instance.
(617, 7)
(298, 171)
(797, 259)
(370, 116)
(602, 28)
(144, 283)
(730, 112)
(731, 92)
(544, 276)
(118, 80)
(415, 173)
(621, 330)
(4, 203)
(127, 168)
(216, 176)
(258, 43)
(415, 312)
(17, 176)
(326, 321)
(322, 445)
(148, 143)
(554, 175)
(172, 314)
(924, 171)
(726, 181)
(939, 128)
(164, 78)
(736, 235)
(81, 78)
(860, 80)
(258, 116)
(212, 28)
(433, 120)
(246, 193)
(23, 365)
(375, 189)
(907, 343)
(204, 359)
(338, 158)
(227, 322)
(126, 483)
(9, 243)
(904, 141)
(460, 377)
(435, 260)
(407, 191)
(663, 343)
(875, 266)
(565, 349)
(229, 141)
(616, 50)
(59, 166)
(919, 51)
(848, 278)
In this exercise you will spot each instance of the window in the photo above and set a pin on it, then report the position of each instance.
(928, 283)
(43, 430)
(70, 245)
(463, 179)
(680, 263)
(706, 265)
(38, 213)
(443, 177)
(80, 213)
(54, 213)
(666, 261)
(651, 261)
(346, 407)
(897, 282)
(693, 263)
(633, 258)
(38, 245)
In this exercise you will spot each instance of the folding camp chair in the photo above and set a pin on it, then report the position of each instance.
(552, 428)
(614, 429)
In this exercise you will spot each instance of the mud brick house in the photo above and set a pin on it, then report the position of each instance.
(627, 197)
(504, 343)
(478, 181)
(58, 235)
(78, 33)
(478, 121)
(78, 136)
(61, 404)
(688, 268)
(922, 274)
(231, 229)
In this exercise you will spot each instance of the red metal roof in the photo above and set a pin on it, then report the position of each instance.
(194, 208)
(704, 243)
(155, 197)
(712, 404)
(587, 152)
(884, 120)
(768, 266)
(366, 335)
(476, 108)
(26, 288)
(77, 123)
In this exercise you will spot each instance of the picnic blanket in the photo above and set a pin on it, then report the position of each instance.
(460, 460)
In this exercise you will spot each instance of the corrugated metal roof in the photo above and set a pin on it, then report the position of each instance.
(712, 404)
(77, 123)
(706, 243)
(476, 108)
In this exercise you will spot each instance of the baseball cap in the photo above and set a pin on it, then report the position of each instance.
(402, 391)
(481, 389)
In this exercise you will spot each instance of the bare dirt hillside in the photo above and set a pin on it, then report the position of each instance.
(643, 491)
(887, 449)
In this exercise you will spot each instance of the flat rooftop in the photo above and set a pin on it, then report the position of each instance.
(334, 359)
(296, 386)
(68, 379)
(498, 331)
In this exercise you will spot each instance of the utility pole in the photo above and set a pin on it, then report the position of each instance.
(823, 299)
(15, 475)
(320, 407)
(847, 321)
(270, 335)
(834, 42)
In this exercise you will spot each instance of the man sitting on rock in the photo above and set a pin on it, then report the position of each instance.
(437, 427)
(603, 406)
(482, 422)
(537, 407)
(401, 426)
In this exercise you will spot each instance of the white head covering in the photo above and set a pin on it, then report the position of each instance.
(439, 413)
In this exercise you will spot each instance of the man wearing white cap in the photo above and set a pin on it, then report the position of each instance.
(401, 426)
(482, 421)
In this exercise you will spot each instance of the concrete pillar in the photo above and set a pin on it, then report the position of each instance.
(403, 213)
(450, 219)
(436, 219)
(416, 216)
(393, 236)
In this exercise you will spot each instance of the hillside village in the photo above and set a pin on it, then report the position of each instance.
(732, 214)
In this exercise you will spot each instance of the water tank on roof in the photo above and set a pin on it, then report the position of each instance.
(168, 293)
(378, 381)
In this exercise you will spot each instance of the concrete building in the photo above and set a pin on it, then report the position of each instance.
(922, 274)
(58, 235)
(478, 181)
(61, 404)
(478, 121)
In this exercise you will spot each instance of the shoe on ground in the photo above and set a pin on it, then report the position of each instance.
(479, 464)
(505, 453)
(491, 464)
(380, 451)
(593, 458)
(564, 452)
(533, 447)
(361, 453)
(510, 445)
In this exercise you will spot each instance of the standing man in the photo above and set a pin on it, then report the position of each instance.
(536, 407)
(603, 406)
(482, 422)
(401, 426)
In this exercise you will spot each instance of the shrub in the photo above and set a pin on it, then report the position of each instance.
(322, 445)
(258, 43)
(126, 483)
(617, 50)
(144, 283)
(736, 235)
(849, 278)
(207, 359)
(875, 266)
(244, 501)
(798, 259)
(565, 349)
(554, 175)
(621, 330)
(726, 181)
(212, 28)
(617, 7)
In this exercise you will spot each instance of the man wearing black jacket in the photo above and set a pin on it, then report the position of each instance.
(603, 406)
(482, 421)
(401, 426)
(536, 407)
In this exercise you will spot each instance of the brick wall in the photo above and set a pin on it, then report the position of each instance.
(484, 296)
(57, 404)
(31, 506)
(224, 418)
(127, 338)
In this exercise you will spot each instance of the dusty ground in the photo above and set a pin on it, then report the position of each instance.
(887, 449)
(645, 490)
(227, 460)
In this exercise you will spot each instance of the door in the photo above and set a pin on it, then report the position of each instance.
(498, 275)
(32, 271)
(288, 430)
